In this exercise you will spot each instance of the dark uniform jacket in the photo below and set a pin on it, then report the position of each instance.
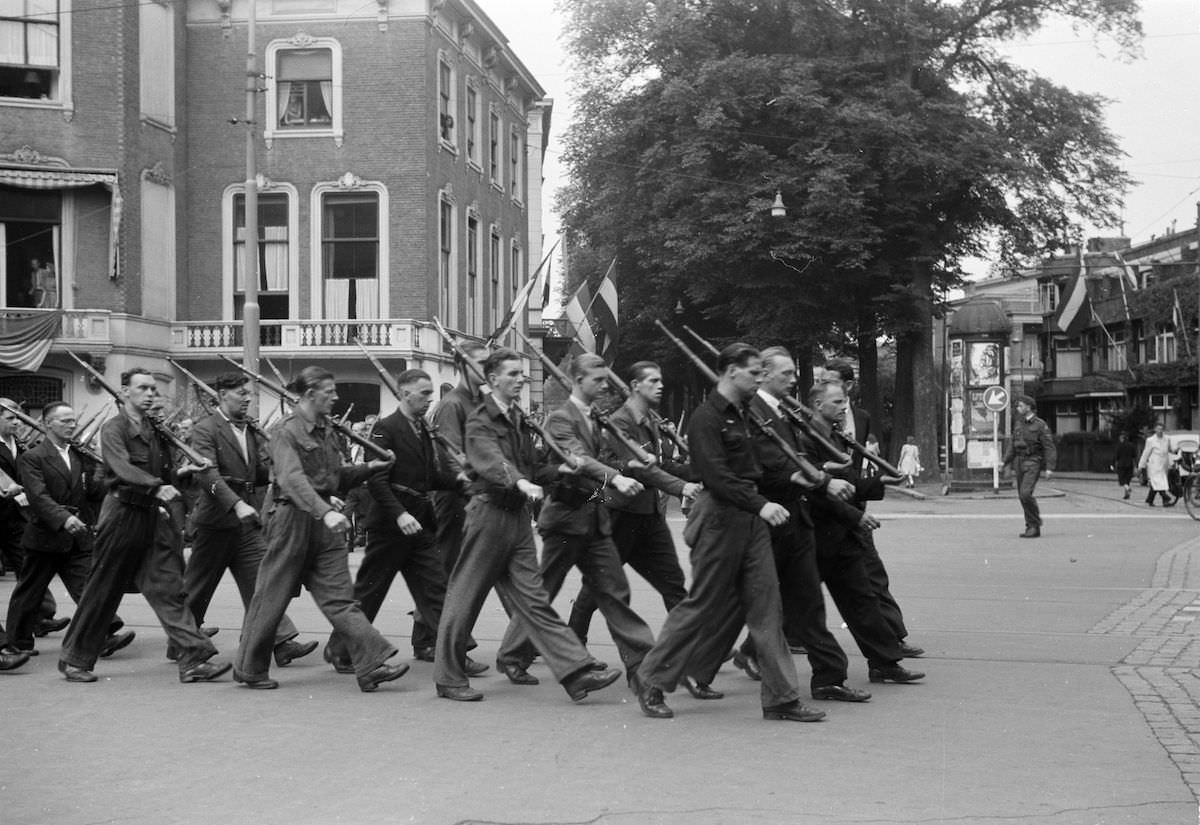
(778, 468)
(235, 480)
(723, 454)
(306, 464)
(1031, 441)
(405, 487)
(9, 465)
(665, 477)
(55, 494)
(836, 521)
(450, 418)
(500, 455)
(137, 457)
(574, 506)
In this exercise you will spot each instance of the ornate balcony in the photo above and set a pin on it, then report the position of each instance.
(312, 337)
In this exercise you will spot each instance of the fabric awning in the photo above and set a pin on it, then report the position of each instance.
(25, 337)
(26, 178)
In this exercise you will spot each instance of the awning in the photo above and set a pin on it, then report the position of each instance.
(25, 337)
(1100, 394)
(26, 178)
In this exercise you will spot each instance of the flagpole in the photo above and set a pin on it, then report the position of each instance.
(596, 294)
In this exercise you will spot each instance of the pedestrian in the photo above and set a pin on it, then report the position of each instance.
(870, 447)
(1031, 454)
(1124, 459)
(910, 461)
(1156, 460)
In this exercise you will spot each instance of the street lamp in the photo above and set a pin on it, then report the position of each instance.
(778, 210)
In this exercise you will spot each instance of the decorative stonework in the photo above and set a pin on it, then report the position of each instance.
(465, 30)
(157, 174)
(226, 7)
(349, 181)
(28, 156)
(490, 56)
(301, 40)
(383, 14)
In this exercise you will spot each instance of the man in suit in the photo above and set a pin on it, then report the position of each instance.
(10, 657)
(576, 532)
(855, 426)
(400, 520)
(62, 489)
(498, 547)
(228, 532)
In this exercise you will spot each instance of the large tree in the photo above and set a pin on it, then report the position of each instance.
(899, 136)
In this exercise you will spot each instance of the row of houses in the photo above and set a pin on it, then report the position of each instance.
(399, 155)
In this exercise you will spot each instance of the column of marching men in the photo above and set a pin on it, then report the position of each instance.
(775, 512)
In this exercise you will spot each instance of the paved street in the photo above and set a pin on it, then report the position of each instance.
(1060, 692)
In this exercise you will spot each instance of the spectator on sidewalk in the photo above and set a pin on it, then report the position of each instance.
(1156, 460)
(1124, 459)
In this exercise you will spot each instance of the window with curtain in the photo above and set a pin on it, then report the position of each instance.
(350, 254)
(274, 280)
(445, 257)
(445, 101)
(29, 49)
(494, 264)
(472, 125)
(304, 88)
(494, 173)
(517, 275)
(30, 223)
(517, 172)
(475, 319)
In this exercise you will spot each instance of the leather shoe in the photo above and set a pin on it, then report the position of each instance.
(840, 693)
(291, 650)
(1031, 533)
(381, 674)
(76, 674)
(699, 690)
(210, 631)
(51, 625)
(12, 659)
(459, 694)
(651, 700)
(578, 685)
(423, 654)
(893, 673)
(910, 651)
(32, 651)
(598, 665)
(340, 665)
(255, 684)
(516, 673)
(204, 672)
(474, 668)
(748, 664)
(115, 642)
(794, 711)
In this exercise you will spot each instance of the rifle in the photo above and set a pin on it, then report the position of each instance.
(702, 341)
(293, 399)
(204, 390)
(602, 418)
(85, 435)
(664, 426)
(468, 364)
(160, 426)
(37, 426)
(796, 409)
(811, 473)
(344, 418)
(394, 388)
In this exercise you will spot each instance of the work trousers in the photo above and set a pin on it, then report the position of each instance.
(604, 577)
(132, 544)
(643, 542)
(733, 572)
(450, 510)
(12, 555)
(302, 550)
(389, 552)
(877, 574)
(498, 551)
(843, 569)
(804, 619)
(239, 550)
(1027, 472)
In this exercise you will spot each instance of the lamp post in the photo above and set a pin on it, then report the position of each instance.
(250, 309)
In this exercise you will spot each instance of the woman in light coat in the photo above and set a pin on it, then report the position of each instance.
(1156, 460)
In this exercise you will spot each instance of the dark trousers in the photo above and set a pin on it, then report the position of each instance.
(880, 583)
(450, 510)
(733, 576)
(301, 550)
(130, 547)
(40, 568)
(498, 551)
(239, 550)
(843, 569)
(604, 576)
(804, 617)
(1027, 473)
(390, 552)
(643, 542)
(12, 554)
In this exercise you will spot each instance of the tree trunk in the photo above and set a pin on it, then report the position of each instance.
(917, 406)
(868, 369)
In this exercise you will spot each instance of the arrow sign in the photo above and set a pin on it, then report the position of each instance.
(995, 399)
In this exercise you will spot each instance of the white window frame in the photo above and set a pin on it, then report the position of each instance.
(62, 92)
(516, 266)
(271, 131)
(516, 164)
(496, 273)
(447, 285)
(346, 183)
(473, 271)
(1048, 295)
(473, 133)
(150, 70)
(447, 99)
(495, 148)
(227, 244)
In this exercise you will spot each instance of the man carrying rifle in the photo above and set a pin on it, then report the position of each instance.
(498, 547)
(575, 529)
(228, 533)
(732, 563)
(400, 520)
(306, 542)
(138, 457)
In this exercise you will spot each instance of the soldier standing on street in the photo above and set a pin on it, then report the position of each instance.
(1031, 454)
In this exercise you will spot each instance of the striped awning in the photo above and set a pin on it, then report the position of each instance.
(42, 178)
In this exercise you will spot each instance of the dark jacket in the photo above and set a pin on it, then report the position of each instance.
(501, 455)
(234, 480)
(778, 468)
(416, 472)
(307, 466)
(1031, 441)
(55, 494)
(575, 505)
(666, 477)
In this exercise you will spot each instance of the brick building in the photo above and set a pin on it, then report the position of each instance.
(399, 159)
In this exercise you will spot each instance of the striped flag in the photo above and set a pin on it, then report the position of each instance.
(604, 311)
(1128, 281)
(522, 298)
(576, 313)
(1181, 330)
(25, 339)
(1074, 310)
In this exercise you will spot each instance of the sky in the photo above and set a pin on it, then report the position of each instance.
(1154, 109)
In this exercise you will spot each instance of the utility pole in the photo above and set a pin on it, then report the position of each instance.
(250, 310)
(1196, 422)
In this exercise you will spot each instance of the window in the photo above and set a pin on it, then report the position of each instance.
(494, 173)
(1161, 401)
(516, 273)
(1048, 292)
(30, 229)
(1161, 348)
(1068, 358)
(304, 89)
(472, 125)
(494, 266)
(446, 261)
(350, 254)
(156, 56)
(516, 161)
(274, 255)
(158, 250)
(30, 55)
(1066, 417)
(474, 305)
(445, 101)
(1117, 351)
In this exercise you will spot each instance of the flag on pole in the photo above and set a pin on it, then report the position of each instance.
(1074, 308)
(576, 313)
(25, 339)
(604, 310)
(1128, 281)
(1181, 330)
(522, 298)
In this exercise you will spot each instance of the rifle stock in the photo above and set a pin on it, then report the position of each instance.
(37, 426)
(665, 427)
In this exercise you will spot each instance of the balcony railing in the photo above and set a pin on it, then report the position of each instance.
(405, 334)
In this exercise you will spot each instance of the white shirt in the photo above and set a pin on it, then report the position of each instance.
(771, 400)
(65, 452)
(848, 424)
(239, 435)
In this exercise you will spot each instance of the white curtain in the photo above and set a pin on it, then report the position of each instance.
(327, 96)
(12, 42)
(275, 251)
(283, 94)
(337, 298)
(367, 305)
